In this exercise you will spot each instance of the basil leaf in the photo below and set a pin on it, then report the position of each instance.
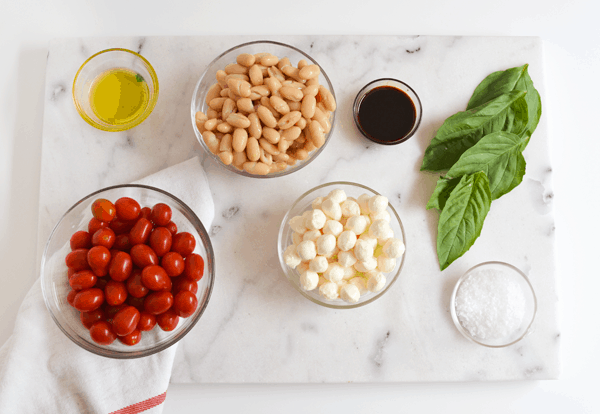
(509, 80)
(499, 156)
(507, 112)
(462, 218)
(443, 188)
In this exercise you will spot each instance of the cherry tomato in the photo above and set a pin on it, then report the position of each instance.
(77, 260)
(119, 226)
(183, 243)
(103, 210)
(160, 241)
(71, 297)
(132, 339)
(81, 240)
(127, 208)
(185, 304)
(104, 237)
(115, 293)
(89, 318)
(96, 225)
(146, 213)
(102, 333)
(126, 320)
(161, 214)
(134, 284)
(140, 232)
(88, 300)
(101, 282)
(143, 256)
(98, 258)
(111, 311)
(194, 267)
(137, 303)
(158, 302)
(120, 266)
(167, 320)
(172, 228)
(71, 272)
(155, 278)
(84, 279)
(122, 243)
(147, 321)
(173, 264)
(183, 283)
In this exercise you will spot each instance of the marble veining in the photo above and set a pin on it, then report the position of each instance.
(257, 327)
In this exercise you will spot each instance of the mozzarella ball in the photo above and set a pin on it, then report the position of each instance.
(387, 235)
(350, 208)
(369, 239)
(363, 250)
(386, 264)
(333, 227)
(297, 224)
(384, 215)
(302, 267)
(393, 248)
(331, 209)
(332, 256)
(334, 272)
(350, 293)
(315, 219)
(347, 259)
(297, 238)
(326, 244)
(309, 280)
(358, 224)
(317, 202)
(311, 235)
(329, 290)
(337, 196)
(366, 266)
(290, 257)
(319, 264)
(360, 283)
(379, 228)
(377, 204)
(346, 240)
(349, 272)
(363, 203)
(307, 250)
(376, 281)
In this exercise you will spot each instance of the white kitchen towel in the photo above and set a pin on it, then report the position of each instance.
(42, 371)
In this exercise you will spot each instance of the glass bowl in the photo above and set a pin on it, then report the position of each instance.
(99, 64)
(519, 286)
(396, 84)
(208, 79)
(55, 285)
(285, 239)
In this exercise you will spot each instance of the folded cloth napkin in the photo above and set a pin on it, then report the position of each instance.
(42, 371)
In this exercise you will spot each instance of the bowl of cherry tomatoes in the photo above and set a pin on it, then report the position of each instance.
(127, 271)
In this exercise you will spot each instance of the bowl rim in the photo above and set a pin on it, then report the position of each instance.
(343, 305)
(98, 349)
(214, 157)
(459, 282)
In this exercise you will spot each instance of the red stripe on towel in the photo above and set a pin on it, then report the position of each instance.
(142, 406)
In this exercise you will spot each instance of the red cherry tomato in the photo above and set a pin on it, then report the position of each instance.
(155, 278)
(132, 339)
(147, 321)
(194, 267)
(146, 213)
(122, 243)
(120, 227)
(127, 208)
(77, 260)
(81, 240)
(126, 320)
(172, 228)
(160, 241)
(140, 232)
(103, 210)
(101, 282)
(96, 225)
(89, 318)
(143, 256)
(115, 293)
(88, 300)
(137, 303)
(98, 257)
(111, 311)
(183, 243)
(84, 279)
(134, 284)
(173, 264)
(185, 304)
(104, 237)
(167, 320)
(183, 283)
(71, 272)
(102, 333)
(158, 302)
(161, 214)
(120, 266)
(71, 297)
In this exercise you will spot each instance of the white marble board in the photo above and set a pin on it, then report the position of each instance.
(257, 327)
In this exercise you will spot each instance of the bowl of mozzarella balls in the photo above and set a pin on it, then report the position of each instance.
(342, 245)
(263, 109)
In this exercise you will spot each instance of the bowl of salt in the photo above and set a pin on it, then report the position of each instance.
(493, 304)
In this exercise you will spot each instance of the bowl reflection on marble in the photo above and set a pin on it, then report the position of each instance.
(285, 239)
(208, 79)
(55, 285)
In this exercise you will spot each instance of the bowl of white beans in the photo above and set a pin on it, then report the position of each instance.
(263, 109)
(342, 245)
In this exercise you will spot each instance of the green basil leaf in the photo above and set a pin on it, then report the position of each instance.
(507, 112)
(443, 188)
(462, 218)
(501, 82)
(499, 156)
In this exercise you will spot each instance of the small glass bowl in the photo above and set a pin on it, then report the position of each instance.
(389, 82)
(102, 62)
(55, 285)
(285, 239)
(530, 305)
(229, 56)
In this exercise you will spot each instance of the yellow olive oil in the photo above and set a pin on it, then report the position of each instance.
(118, 96)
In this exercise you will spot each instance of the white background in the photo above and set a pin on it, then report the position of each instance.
(571, 34)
